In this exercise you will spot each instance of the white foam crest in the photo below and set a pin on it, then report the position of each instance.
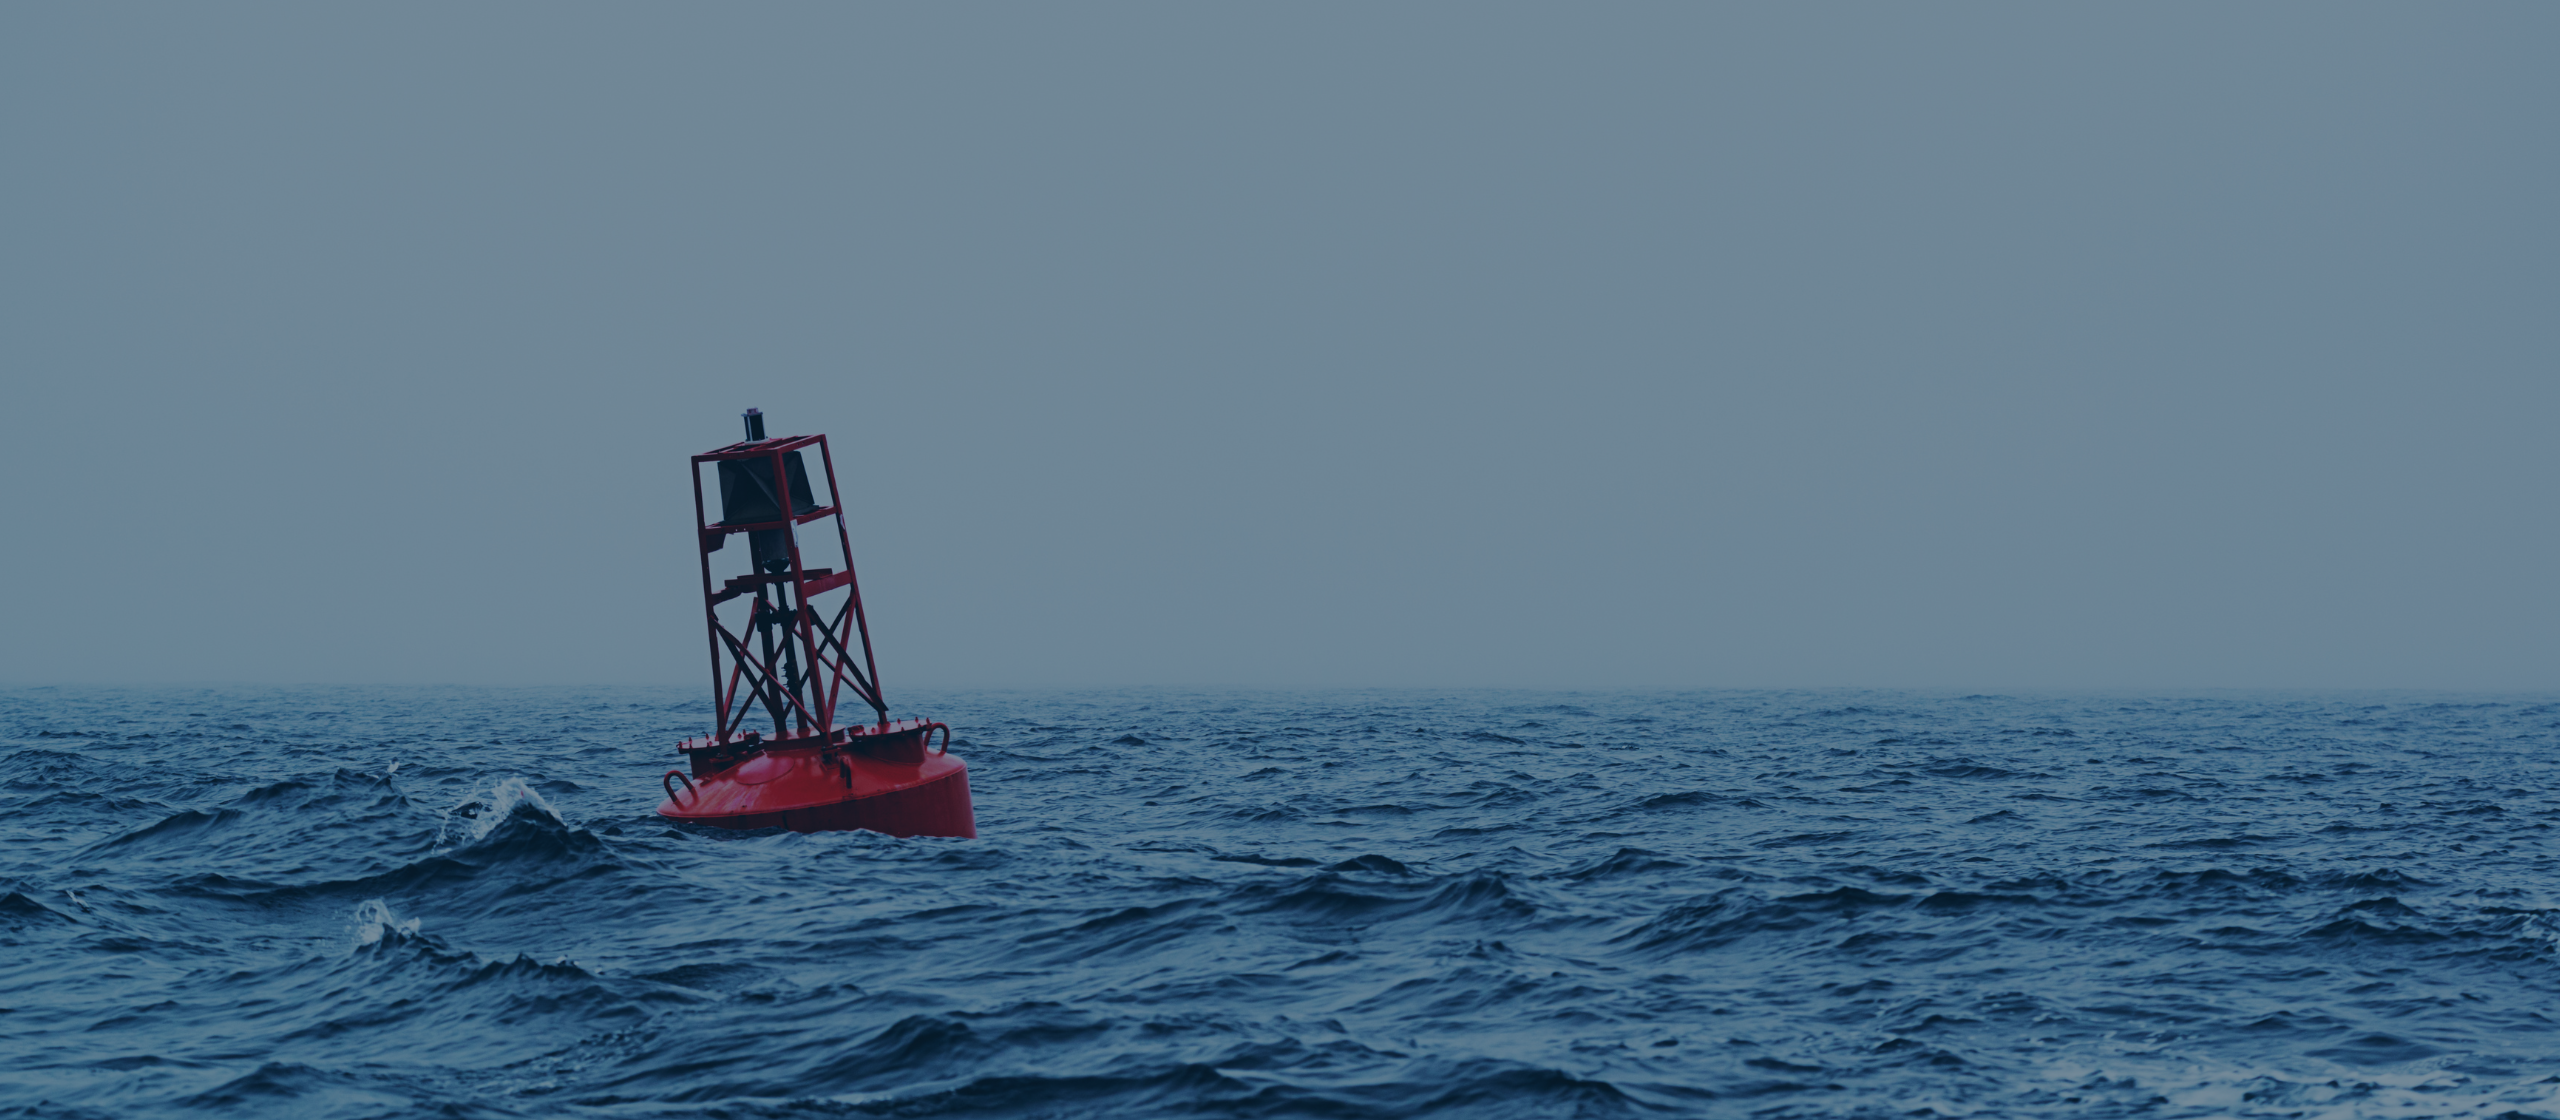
(375, 921)
(486, 810)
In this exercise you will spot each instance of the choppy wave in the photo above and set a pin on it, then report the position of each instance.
(455, 902)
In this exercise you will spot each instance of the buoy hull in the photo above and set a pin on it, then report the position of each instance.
(884, 782)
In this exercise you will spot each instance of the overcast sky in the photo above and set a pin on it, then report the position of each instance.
(1951, 345)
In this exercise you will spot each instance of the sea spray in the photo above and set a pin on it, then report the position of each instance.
(481, 813)
(374, 921)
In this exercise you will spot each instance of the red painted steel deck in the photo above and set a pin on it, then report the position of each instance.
(881, 779)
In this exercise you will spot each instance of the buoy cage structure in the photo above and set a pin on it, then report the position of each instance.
(790, 655)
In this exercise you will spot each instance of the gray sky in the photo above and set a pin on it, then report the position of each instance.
(1979, 346)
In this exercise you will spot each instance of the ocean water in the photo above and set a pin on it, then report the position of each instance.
(459, 903)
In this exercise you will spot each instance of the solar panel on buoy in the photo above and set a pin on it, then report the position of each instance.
(790, 651)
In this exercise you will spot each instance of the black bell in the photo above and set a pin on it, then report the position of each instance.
(747, 494)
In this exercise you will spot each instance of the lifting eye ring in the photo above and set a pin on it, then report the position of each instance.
(668, 783)
(946, 736)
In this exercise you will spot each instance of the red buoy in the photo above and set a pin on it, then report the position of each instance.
(789, 662)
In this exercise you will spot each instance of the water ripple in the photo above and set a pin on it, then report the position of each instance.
(370, 902)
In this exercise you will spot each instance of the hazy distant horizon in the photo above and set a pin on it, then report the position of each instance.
(1971, 347)
(922, 696)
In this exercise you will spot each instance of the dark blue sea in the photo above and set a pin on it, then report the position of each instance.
(360, 902)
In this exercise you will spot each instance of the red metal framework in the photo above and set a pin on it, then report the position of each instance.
(800, 679)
